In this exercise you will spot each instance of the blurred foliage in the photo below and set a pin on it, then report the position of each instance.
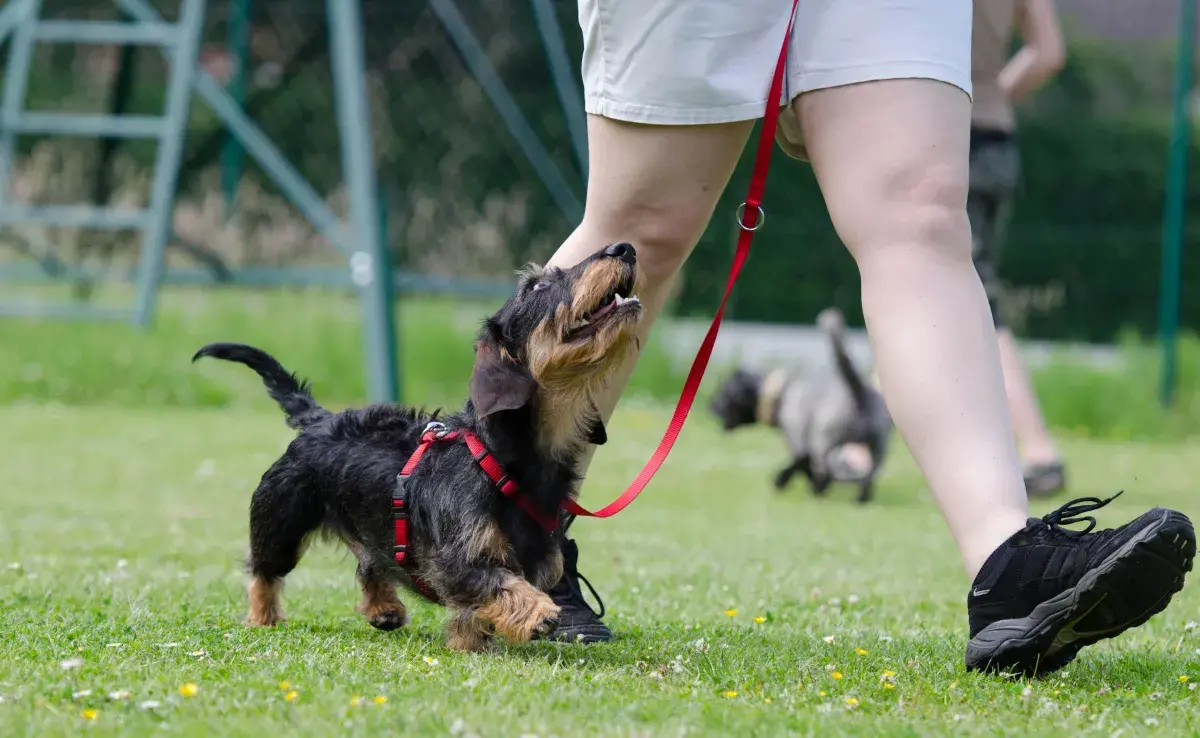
(1082, 259)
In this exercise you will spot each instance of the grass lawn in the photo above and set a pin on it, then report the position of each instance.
(739, 612)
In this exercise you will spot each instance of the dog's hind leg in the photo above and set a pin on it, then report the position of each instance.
(283, 513)
(798, 464)
(866, 489)
(380, 605)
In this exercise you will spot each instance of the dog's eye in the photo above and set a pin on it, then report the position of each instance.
(537, 286)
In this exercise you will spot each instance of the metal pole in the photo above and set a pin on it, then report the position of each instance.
(481, 67)
(368, 262)
(564, 82)
(151, 256)
(232, 155)
(1175, 205)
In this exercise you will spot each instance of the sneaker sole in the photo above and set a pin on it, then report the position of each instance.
(598, 633)
(1135, 583)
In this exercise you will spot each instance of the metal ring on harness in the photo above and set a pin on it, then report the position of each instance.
(758, 222)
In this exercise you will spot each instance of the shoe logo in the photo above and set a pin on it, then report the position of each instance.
(980, 592)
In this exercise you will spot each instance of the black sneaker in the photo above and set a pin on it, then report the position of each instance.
(1047, 592)
(578, 622)
(1044, 480)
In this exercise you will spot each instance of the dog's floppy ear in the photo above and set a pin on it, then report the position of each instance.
(498, 382)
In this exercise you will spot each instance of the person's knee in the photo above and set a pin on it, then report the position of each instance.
(918, 206)
(663, 231)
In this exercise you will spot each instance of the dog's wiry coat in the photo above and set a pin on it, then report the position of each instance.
(816, 417)
(540, 361)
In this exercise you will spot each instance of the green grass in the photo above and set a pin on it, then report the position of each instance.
(313, 332)
(126, 528)
(318, 334)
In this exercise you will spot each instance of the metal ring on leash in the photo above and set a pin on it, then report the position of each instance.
(758, 222)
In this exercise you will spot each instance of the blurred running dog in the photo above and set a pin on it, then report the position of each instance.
(473, 524)
(817, 417)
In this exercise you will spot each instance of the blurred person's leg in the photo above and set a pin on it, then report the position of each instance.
(994, 165)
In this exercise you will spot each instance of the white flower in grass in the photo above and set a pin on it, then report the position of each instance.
(168, 645)
(81, 693)
(828, 639)
(201, 652)
(120, 694)
(113, 645)
(1152, 722)
(149, 704)
(852, 600)
(1190, 625)
(15, 565)
(70, 663)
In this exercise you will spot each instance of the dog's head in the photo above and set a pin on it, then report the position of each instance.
(556, 340)
(736, 403)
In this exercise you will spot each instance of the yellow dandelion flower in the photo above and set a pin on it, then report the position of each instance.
(291, 696)
(837, 675)
(355, 701)
(760, 620)
(379, 699)
(731, 694)
(861, 651)
(89, 714)
(821, 693)
(851, 702)
(285, 686)
(768, 700)
(889, 685)
(1183, 678)
(731, 612)
(188, 690)
(889, 673)
(953, 685)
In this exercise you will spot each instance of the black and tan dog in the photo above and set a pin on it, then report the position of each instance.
(539, 362)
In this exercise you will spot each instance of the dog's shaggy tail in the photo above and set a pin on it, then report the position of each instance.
(292, 394)
(832, 323)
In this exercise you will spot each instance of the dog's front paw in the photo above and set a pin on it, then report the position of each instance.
(545, 628)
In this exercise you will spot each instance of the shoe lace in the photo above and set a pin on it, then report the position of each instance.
(1073, 512)
(572, 577)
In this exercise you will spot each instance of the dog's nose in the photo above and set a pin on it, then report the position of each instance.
(623, 251)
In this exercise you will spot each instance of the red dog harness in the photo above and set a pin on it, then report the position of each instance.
(435, 433)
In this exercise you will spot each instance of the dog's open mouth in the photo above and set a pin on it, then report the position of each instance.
(617, 304)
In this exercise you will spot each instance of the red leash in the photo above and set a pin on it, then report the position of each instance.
(753, 202)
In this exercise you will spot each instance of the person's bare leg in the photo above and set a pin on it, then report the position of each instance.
(656, 187)
(891, 159)
(1037, 447)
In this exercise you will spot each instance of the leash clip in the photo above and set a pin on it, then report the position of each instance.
(758, 221)
(436, 428)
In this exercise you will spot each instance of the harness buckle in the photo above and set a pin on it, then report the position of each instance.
(438, 429)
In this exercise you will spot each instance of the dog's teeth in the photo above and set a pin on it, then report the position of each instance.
(626, 300)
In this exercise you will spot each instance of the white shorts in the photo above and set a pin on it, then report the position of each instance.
(689, 62)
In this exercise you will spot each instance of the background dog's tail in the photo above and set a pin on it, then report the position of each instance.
(833, 324)
(292, 394)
